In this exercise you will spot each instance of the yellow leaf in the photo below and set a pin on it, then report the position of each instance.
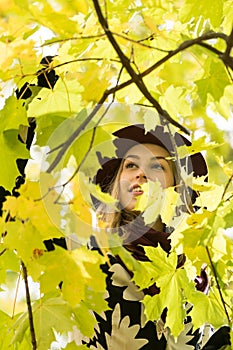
(72, 7)
(219, 245)
(175, 103)
(210, 199)
(42, 213)
(24, 238)
(170, 202)
(226, 167)
(199, 145)
(200, 185)
(151, 201)
(92, 77)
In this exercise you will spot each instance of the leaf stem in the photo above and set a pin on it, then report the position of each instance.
(29, 307)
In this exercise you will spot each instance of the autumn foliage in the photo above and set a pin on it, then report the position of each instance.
(72, 72)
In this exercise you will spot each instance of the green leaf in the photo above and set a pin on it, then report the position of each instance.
(199, 145)
(8, 261)
(101, 144)
(226, 212)
(77, 269)
(85, 320)
(36, 215)
(212, 10)
(47, 124)
(171, 201)
(214, 84)
(13, 114)
(12, 149)
(174, 287)
(73, 7)
(192, 85)
(212, 309)
(23, 238)
(48, 314)
(74, 346)
(7, 332)
(65, 96)
(210, 199)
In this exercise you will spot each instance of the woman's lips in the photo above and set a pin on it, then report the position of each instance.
(136, 190)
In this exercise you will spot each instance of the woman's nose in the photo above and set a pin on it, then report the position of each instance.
(141, 174)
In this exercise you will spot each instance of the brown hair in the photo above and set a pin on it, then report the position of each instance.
(115, 218)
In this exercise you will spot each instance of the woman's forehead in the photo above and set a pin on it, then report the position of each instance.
(147, 149)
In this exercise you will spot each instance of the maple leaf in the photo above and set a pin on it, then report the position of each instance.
(84, 267)
(174, 287)
(48, 314)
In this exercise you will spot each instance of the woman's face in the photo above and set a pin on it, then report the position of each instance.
(143, 162)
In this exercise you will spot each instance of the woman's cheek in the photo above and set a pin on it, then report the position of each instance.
(125, 197)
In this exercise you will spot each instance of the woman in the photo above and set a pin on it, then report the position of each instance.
(141, 157)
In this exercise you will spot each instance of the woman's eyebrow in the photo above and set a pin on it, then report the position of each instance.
(158, 157)
(152, 158)
(132, 156)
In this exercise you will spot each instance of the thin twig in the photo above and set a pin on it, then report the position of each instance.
(16, 294)
(75, 134)
(29, 307)
(139, 42)
(227, 185)
(230, 74)
(218, 286)
(84, 59)
(87, 37)
(3, 251)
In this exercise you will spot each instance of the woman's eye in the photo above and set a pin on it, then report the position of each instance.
(157, 166)
(130, 165)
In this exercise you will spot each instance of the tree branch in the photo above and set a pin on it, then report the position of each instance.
(229, 43)
(185, 45)
(66, 144)
(226, 57)
(113, 90)
(136, 78)
(76, 133)
(210, 48)
(29, 307)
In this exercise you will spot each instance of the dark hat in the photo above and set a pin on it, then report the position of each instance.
(130, 136)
